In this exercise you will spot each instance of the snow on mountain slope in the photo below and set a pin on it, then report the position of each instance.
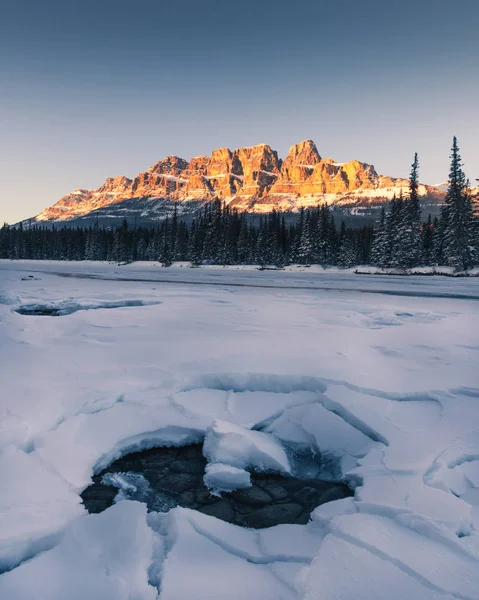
(376, 374)
(251, 179)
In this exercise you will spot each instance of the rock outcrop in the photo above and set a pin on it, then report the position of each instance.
(251, 179)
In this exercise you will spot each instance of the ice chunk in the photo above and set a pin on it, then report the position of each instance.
(322, 430)
(225, 478)
(234, 445)
(132, 486)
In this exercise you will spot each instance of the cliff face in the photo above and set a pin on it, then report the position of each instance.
(251, 179)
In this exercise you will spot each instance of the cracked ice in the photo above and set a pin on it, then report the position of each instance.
(264, 366)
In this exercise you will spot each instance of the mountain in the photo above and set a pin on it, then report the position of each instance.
(252, 179)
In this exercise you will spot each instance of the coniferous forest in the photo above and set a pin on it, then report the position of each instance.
(220, 235)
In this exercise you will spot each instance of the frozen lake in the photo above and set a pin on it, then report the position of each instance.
(377, 375)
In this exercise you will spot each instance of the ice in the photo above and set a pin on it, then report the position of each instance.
(68, 307)
(215, 572)
(409, 493)
(240, 447)
(95, 440)
(441, 566)
(342, 570)
(324, 513)
(35, 504)
(470, 471)
(324, 432)
(103, 556)
(132, 486)
(370, 378)
(225, 478)
(243, 406)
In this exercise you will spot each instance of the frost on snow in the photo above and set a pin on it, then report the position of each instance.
(374, 378)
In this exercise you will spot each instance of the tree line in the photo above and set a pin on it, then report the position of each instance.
(220, 235)
(402, 240)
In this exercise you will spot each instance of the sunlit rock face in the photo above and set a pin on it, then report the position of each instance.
(253, 178)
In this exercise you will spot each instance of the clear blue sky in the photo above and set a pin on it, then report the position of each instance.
(97, 88)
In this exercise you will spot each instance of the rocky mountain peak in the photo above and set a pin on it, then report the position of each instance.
(170, 165)
(249, 178)
(303, 154)
(115, 184)
(260, 167)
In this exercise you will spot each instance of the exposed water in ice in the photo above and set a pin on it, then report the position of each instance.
(167, 477)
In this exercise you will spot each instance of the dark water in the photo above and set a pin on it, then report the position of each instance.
(39, 311)
(174, 477)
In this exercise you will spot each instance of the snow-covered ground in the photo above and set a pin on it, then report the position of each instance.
(377, 373)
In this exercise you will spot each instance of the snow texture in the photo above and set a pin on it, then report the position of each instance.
(372, 377)
(103, 556)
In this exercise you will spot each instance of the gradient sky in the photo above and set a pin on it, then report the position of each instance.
(97, 88)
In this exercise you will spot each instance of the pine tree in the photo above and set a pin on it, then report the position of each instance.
(194, 246)
(392, 256)
(298, 234)
(165, 255)
(261, 245)
(439, 226)
(173, 242)
(347, 247)
(427, 242)
(411, 226)
(244, 249)
(378, 250)
(305, 249)
(457, 215)
(141, 249)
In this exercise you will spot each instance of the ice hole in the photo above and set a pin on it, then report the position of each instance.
(67, 308)
(39, 311)
(168, 477)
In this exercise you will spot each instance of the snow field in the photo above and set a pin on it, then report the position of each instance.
(384, 388)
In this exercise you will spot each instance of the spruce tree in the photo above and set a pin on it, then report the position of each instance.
(427, 242)
(305, 250)
(457, 215)
(393, 233)
(194, 246)
(295, 250)
(347, 247)
(411, 226)
(378, 250)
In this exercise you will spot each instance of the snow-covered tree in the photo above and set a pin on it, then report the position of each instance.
(457, 217)
(411, 222)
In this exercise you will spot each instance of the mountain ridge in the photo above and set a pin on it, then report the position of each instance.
(250, 179)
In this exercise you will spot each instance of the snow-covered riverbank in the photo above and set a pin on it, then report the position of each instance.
(377, 373)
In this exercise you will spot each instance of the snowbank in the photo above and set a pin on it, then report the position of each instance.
(103, 556)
